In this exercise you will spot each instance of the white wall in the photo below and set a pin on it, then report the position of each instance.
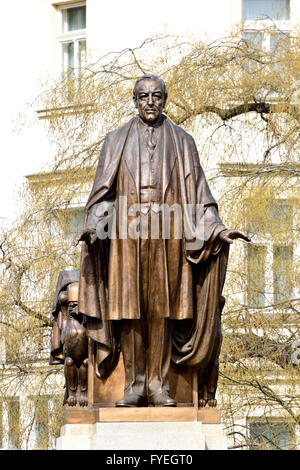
(127, 24)
(29, 53)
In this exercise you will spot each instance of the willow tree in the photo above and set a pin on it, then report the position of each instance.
(241, 103)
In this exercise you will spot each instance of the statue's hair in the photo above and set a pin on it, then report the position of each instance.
(150, 76)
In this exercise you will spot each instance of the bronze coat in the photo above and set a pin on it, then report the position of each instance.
(110, 270)
(64, 279)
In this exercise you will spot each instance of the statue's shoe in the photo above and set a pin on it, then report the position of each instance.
(161, 399)
(131, 400)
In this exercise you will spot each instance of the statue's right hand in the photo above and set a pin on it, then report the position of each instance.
(87, 235)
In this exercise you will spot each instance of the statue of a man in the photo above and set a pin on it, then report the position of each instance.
(157, 290)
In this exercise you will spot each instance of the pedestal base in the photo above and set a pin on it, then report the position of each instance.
(143, 429)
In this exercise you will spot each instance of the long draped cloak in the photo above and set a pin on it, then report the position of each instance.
(189, 281)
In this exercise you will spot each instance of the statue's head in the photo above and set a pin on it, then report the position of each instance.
(150, 96)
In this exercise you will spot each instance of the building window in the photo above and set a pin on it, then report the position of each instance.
(276, 37)
(67, 222)
(282, 271)
(55, 421)
(73, 18)
(72, 38)
(73, 221)
(47, 413)
(256, 276)
(262, 9)
(270, 41)
(13, 414)
(10, 423)
(274, 435)
(41, 423)
(253, 38)
(270, 261)
(12, 346)
(279, 40)
(279, 217)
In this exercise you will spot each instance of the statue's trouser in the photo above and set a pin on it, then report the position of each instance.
(146, 355)
(146, 343)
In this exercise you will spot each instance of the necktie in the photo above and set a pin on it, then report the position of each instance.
(149, 139)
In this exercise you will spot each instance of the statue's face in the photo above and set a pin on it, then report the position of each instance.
(149, 100)
(73, 309)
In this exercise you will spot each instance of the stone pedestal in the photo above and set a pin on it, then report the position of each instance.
(142, 429)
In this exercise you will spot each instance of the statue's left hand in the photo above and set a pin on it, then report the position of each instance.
(87, 235)
(229, 235)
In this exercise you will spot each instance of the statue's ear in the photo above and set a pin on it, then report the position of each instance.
(135, 102)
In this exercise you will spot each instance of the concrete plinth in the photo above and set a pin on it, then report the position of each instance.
(144, 429)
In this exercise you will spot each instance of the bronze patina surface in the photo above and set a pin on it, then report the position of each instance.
(69, 339)
(157, 298)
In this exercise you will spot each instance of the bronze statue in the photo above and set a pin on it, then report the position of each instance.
(69, 339)
(156, 292)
